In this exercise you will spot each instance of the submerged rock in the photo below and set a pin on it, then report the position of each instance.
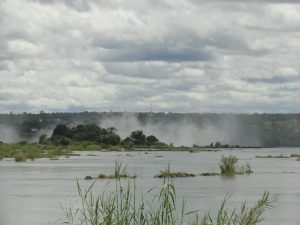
(209, 174)
(88, 178)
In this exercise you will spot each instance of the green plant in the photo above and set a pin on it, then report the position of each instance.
(228, 166)
(121, 207)
(20, 158)
(168, 174)
(119, 172)
(245, 216)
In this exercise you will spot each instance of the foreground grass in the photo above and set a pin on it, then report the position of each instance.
(121, 207)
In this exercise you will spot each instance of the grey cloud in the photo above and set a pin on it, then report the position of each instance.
(155, 54)
(185, 56)
(274, 79)
(261, 1)
(79, 5)
(139, 69)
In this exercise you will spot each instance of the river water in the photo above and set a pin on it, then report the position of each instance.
(32, 192)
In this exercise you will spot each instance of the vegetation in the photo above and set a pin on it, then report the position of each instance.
(65, 140)
(269, 130)
(23, 151)
(122, 207)
(272, 156)
(20, 158)
(297, 156)
(245, 216)
(228, 166)
(63, 135)
(218, 144)
(101, 138)
(169, 174)
(119, 172)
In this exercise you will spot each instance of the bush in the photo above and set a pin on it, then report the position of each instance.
(92, 147)
(152, 140)
(111, 139)
(22, 142)
(20, 158)
(57, 140)
(227, 165)
(127, 143)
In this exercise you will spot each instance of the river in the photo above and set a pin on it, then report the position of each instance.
(32, 192)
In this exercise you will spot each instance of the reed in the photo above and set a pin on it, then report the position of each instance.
(119, 172)
(121, 207)
(228, 166)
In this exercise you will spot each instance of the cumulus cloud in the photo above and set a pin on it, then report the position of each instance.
(184, 56)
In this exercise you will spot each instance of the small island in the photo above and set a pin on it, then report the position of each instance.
(64, 140)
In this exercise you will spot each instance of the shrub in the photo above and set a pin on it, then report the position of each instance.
(92, 147)
(23, 142)
(20, 158)
(227, 165)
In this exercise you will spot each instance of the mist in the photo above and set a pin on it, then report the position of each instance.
(185, 132)
(47, 131)
(8, 134)
(179, 129)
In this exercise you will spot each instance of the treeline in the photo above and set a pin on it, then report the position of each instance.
(268, 130)
(92, 133)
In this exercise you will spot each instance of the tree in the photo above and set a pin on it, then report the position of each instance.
(111, 139)
(61, 130)
(127, 143)
(89, 132)
(152, 139)
(138, 137)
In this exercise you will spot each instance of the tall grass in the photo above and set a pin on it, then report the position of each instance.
(119, 172)
(121, 207)
(244, 216)
(228, 166)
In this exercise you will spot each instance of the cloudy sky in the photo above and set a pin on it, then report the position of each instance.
(237, 56)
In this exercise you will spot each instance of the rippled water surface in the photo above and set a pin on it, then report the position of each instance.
(31, 193)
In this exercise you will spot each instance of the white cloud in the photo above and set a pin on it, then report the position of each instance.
(186, 56)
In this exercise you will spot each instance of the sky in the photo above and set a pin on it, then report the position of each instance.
(221, 56)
